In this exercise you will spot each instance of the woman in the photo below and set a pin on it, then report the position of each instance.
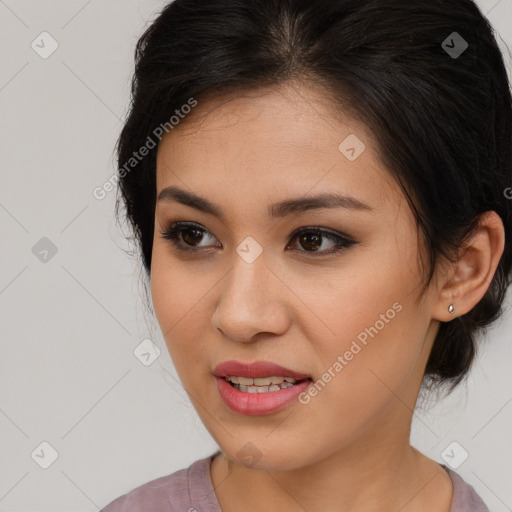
(320, 193)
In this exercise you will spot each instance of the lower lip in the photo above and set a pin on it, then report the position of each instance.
(252, 404)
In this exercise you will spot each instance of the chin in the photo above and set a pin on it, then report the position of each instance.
(265, 456)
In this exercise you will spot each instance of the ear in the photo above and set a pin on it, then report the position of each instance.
(469, 278)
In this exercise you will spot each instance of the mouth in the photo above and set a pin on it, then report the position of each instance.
(259, 387)
(261, 384)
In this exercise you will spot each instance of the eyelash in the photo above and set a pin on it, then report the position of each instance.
(174, 230)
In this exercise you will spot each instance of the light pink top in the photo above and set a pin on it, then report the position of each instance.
(191, 490)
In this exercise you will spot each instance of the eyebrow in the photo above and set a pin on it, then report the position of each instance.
(276, 210)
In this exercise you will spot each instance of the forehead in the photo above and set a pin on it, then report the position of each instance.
(273, 140)
(289, 113)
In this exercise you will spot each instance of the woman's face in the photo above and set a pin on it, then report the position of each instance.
(249, 290)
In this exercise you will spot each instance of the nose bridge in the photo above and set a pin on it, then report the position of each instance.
(247, 288)
(250, 301)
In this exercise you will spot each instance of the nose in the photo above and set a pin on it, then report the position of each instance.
(251, 301)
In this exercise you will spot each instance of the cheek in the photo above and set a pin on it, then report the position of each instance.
(176, 291)
(360, 380)
(370, 296)
(374, 326)
(164, 284)
(179, 298)
(373, 332)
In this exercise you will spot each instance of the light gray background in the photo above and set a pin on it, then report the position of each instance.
(69, 326)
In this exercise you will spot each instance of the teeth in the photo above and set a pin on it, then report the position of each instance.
(260, 384)
(259, 388)
(261, 381)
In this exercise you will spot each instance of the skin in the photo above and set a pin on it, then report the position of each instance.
(347, 449)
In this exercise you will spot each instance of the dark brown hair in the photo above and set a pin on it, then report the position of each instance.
(442, 121)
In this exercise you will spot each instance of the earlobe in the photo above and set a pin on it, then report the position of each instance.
(472, 275)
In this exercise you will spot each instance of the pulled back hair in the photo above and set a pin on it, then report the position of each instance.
(442, 123)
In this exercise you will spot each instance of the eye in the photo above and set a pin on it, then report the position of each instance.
(188, 236)
(185, 236)
(313, 240)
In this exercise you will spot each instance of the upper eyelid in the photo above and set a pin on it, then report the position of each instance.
(183, 225)
(191, 225)
(341, 241)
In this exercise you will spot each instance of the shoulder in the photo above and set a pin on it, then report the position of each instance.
(465, 498)
(168, 493)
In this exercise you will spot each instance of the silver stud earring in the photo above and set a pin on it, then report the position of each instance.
(451, 309)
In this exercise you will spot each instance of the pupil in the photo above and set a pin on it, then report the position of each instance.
(315, 237)
(190, 240)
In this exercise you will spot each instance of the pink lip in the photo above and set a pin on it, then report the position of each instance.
(252, 404)
(255, 370)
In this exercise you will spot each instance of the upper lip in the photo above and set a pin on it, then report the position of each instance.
(256, 369)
